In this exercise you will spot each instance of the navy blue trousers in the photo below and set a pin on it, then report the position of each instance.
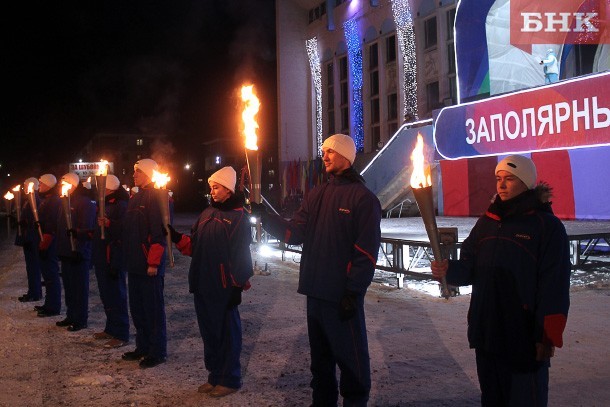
(49, 267)
(504, 386)
(75, 276)
(32, 268)
(113, 293)
(147, 307)
(338, 343)
(220, 329)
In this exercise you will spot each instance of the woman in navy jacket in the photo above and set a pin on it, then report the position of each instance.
(517, 260)
(49, 212)
(108, 262)
(221, 265)
(75, 264)
(29, 239)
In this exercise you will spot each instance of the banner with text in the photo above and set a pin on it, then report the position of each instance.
(86, 170)
(569, 114)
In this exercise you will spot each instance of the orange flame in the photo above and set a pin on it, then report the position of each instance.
(30, 188)
(103, 170)
(420, 177)
(17, 188)
(8, 196)
(65, 187)
(160, 179)
(251, 107)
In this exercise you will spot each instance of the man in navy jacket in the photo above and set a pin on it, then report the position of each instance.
(338, 224)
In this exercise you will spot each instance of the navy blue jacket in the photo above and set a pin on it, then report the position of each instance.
(143, 239)
(220, 248)
(338, 224)
(49, 213)
(517, 260)
(108, 252)
(29, 232)
(83, 217)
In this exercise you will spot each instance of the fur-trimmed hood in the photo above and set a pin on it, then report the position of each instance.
(538, 198)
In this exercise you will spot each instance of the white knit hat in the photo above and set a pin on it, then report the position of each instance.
(226, 177)
(112, 182)
(521, 167)
(71, 178)
(48, 179)
(26, 183)
(147, 166)
(342, 144)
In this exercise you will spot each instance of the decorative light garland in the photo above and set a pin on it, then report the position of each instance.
(406, 40)
(354, 51)
(316, 74)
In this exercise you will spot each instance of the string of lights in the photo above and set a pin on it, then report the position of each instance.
(406, 40)
(354, 51)
(316, 74)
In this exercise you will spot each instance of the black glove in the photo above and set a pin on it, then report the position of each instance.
(77, 257)
(258, 209)
(176, 236)
(71, 233)
(235, 298)
(113, 273)
(348, 306)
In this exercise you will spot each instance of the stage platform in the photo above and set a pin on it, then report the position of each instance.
(405, 244)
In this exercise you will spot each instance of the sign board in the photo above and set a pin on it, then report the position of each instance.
(86, 170)
(565, 115)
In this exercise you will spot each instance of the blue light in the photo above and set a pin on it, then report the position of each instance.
(355, 64)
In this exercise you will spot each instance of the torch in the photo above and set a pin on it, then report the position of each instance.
(251, 107)
(253, 159)
(32, 200)
(17, 191)
(65, 201)
(421, 185)
(161, 181)
(100, 182)
(8, 200)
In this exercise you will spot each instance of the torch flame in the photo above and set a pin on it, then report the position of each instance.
(17, 188)
(160, 179)
(103, 170)
(30, 188)
(8, 196)
(65, 187)
(251, 107)
(420, 178)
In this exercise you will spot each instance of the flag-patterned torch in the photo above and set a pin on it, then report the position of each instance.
(161, 181)
(65, 201)
(32, 200)
(421, 184)
(100, 182)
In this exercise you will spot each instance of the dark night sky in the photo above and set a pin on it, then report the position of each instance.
(72, 69)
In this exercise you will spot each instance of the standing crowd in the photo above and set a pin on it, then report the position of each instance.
(516, 258)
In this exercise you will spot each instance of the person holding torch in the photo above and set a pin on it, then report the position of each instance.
(109, 264)
(338, 224)
(517, 260)
(29, 240)
(221, 266)
(144, 246)
(48, 215)
(74, 234)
